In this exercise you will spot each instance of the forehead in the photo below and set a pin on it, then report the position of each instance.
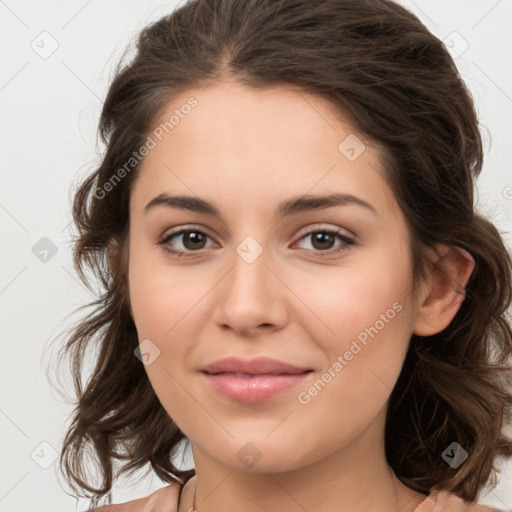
(242, 118)
(253, 145)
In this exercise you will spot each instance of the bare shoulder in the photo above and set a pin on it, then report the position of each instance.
(161, 500)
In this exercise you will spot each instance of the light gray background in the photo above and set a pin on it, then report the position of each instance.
(50, 108)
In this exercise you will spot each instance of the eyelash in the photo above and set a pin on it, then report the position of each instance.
(347, 242)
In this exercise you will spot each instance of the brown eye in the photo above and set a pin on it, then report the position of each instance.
(192, 240)
(323, 241)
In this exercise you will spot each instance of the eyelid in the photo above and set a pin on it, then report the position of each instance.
(183, 229)
(323, 227)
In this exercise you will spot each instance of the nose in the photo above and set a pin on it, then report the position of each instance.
(252, 297)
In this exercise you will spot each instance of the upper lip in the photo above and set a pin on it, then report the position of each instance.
(257, 366)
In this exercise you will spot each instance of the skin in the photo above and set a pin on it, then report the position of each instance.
(246, 151)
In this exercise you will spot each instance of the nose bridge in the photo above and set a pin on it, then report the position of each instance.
(251, 294)
(250, 274)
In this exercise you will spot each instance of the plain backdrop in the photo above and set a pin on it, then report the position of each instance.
(57, 62)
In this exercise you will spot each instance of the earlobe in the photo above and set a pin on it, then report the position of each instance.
(445, 291)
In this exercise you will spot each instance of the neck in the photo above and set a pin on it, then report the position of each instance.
(356, 478)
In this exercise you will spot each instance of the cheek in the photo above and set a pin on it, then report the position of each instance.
(362, 364)
(162, 302)
(345, 302)
(161, 295)
(363, 323)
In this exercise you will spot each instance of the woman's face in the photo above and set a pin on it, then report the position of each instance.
(266, 279)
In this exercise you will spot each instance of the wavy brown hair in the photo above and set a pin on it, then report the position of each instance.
(397, 84)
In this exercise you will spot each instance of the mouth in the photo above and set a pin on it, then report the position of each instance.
(257, 366)
(253, 388)
(249, 375)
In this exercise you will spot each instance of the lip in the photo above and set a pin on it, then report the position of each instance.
(254, 380)
(256, 366)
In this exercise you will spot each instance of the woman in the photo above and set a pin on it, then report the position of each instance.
(338, 340)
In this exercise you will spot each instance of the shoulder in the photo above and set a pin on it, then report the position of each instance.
(444, 501)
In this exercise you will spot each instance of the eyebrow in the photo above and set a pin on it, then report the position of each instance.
(285, 209)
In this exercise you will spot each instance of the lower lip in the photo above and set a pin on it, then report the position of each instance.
(253, 389)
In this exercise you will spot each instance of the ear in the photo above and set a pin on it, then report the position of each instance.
(113, 248)
(444, 290)
(113, 262)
